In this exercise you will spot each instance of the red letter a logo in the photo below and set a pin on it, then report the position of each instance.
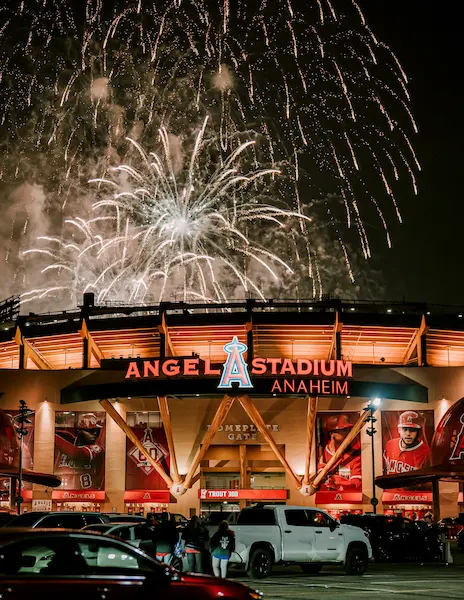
(458, 449)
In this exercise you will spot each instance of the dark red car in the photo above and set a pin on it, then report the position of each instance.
(71, 565)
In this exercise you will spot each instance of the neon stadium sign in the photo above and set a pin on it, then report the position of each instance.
(301, 376)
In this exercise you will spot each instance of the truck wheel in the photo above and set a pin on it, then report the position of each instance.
(356, 561)
(260, 565)
(311, 569)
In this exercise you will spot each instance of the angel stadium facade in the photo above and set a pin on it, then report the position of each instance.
(194, 408)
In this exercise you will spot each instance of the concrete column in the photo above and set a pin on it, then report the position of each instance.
(115, 462)
(44, 444)
(448, 499)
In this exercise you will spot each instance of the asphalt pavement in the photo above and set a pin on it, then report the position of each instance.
(398, 581)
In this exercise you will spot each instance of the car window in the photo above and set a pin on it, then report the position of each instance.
(297, 518)
(103, 556)
(257, 516)
(66, 520)
(92, 519)
(122, 532)
(25, 520)
(142, 532)
(318, 519)
(42, 557)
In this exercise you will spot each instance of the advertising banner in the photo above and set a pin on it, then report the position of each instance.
(11, 447)
(140, 474)
(221, 495)
(80, 450)
(406, 438)
(344, 481)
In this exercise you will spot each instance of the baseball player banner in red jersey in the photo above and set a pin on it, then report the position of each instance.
(80, 450)
(140, 474)
(28, 453)
(406, 437)
(344, 481)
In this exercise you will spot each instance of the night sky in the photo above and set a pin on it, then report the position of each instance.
(425, 263)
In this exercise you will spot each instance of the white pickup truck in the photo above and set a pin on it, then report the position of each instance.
(272, 534)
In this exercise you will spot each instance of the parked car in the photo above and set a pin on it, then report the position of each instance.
(65, 519)
(272, 534)
(43, 563)
(139, 535)
(398, 539)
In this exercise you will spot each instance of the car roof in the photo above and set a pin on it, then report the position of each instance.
(47, 513)
(23, 532)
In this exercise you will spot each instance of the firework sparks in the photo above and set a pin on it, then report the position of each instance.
(324, 100)
(164, 224)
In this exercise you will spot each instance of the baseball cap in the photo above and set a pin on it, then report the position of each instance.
(410, 419)
(89, 421)
(336, 422)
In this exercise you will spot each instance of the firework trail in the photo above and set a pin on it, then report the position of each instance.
(325, 101)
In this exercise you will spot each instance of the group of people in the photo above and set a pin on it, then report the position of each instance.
(192, 543)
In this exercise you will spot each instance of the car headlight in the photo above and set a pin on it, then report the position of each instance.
(256, 595)
(366, 533)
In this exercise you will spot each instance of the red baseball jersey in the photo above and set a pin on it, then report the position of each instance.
(346, 473)
(398, 460)
(80, 467)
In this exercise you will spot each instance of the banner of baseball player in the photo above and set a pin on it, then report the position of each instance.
(80, 450)
(12, 446)
(406, 438)
(344, 482)
(140, 474)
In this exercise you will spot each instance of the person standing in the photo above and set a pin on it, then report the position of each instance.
(166, 538)
(195, 535)
(222, 546)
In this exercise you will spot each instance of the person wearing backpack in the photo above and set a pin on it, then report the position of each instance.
(222, 546)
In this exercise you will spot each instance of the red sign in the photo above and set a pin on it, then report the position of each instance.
(140, 474)
(407, 497)
(193, 367)
(147, 496)
(220, 495)
(78, 495)
(26, 495)
(339, 498)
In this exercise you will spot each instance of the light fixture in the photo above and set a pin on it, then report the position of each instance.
(371, 407)
(389, 310)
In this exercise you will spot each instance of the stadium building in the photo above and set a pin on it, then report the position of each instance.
(233, 403)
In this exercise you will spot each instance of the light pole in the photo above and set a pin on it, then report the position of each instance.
(22, 420)
(372, 407)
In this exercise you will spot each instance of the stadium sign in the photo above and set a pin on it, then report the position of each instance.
(302, 376)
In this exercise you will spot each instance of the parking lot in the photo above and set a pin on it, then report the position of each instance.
(409, 581)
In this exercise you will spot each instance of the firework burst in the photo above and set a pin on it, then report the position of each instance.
(166, 224)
